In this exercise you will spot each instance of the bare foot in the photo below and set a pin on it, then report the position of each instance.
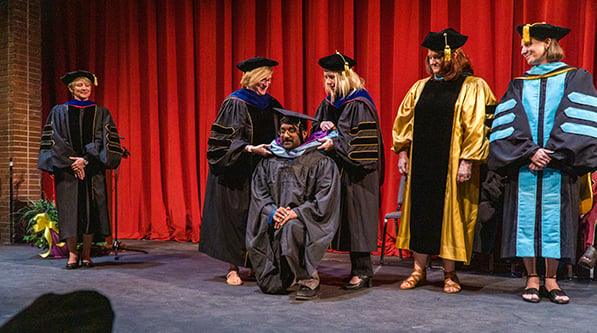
(233, 278)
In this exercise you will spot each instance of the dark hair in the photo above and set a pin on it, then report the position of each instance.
(451, 70)
(299, 123)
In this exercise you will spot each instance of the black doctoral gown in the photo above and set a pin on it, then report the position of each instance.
(245, 118)
(358, 152)
(310, 185)
(553, 106)
(80, 129)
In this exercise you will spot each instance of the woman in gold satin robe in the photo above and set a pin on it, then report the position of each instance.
(440, 137)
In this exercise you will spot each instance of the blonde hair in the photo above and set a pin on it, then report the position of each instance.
(85, 79)
(554, 51)
(252, 77)
(346, 82)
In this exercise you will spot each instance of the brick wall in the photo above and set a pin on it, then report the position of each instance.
(20, 105)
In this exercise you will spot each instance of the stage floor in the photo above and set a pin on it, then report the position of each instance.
(174, 288)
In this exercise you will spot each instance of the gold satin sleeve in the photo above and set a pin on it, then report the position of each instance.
(469, 142)
(474, 96)
(402, 132)
(586, 194)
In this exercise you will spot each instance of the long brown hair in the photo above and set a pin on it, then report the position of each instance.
(451, 70)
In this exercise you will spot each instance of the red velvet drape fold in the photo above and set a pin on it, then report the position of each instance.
(165, 66)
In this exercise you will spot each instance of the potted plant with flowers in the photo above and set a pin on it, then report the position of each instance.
(42, 228)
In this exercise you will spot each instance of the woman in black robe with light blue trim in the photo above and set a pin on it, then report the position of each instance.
(240, 135)
(544, 136)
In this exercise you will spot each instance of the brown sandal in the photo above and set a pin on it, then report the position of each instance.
(233, 278)
(416, 278)
(451, 283)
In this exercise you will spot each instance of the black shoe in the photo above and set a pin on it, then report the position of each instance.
(365, 281)
(74, 265)
(587, 260)
(531, 292)
(552, 294)
(306, 294)
(86, 264)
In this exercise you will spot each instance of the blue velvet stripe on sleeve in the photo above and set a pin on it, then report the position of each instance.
(581, 114)
(501, 134)
(583, 99)
(579, 129)
(587, 102)
(505, 106)
(501, 119)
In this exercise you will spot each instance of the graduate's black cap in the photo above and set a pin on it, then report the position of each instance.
(437, 41)
(71, 76)
(541, 30)
(294, 115)
(255, 62)
(336, 62)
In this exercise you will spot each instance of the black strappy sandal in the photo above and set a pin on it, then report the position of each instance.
(554, 293)
(531, 292)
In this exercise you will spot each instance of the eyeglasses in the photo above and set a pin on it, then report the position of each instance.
(266, 80)
(291, 130)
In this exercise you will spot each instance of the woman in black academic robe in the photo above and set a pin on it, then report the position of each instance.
(440, 137)
(79, 142)
(358, 152)
(244, 127)
(543, 138)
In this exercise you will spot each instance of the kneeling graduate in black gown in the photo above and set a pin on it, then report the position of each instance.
(294, 210)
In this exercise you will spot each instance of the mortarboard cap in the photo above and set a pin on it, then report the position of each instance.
(437, 41)
(541, 30)
(71, 76)
(255, 62)
(336, 62)
(295, 115)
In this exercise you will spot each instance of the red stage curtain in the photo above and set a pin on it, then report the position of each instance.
(165, 66)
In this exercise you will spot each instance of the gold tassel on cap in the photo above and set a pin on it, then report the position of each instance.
(526, 33)
(346, 67)
(447, 49)
(94, 80)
